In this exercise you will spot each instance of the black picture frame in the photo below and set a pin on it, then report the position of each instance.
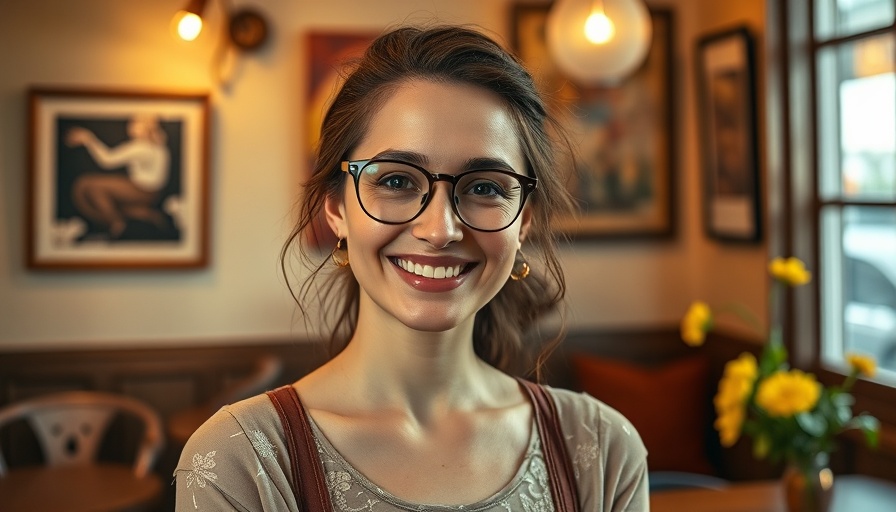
(725, 65)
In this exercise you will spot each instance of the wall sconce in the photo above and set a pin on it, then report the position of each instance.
(247, 29)
(598, 42)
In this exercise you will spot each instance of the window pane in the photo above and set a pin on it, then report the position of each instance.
(834, 18)
(859, 285)
(857, 120)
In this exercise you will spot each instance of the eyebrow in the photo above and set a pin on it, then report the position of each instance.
(412, 157)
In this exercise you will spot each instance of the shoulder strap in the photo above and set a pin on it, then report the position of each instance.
(306, 463)
(309, 482)
(559, 465)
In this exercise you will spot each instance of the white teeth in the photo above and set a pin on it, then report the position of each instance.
(430, 271)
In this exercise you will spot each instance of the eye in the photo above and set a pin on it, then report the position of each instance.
(396, 181)
(487, 188)
(489, 185)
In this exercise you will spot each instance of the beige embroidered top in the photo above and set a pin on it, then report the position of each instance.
(237, 461)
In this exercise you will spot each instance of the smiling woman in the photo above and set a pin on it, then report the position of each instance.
(435, 168)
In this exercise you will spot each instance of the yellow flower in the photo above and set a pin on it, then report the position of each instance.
(791, 271)
(731, 393)
(785, 394)
(744, 367)
(731, 399)
(729, 424)
(736, 383)
(760, 398)
(696, 323)
(864, 365)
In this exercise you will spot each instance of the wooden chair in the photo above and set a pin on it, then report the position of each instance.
(265, 371)
(70, 428)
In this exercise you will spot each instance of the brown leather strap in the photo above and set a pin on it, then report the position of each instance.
(310, 485)
(560, 472)
(309, 482)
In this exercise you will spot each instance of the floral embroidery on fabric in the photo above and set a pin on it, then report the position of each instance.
(352, 492)
(538, 499)
(586, 452)
(200, 473)
(263, 445)
(339, 483)
(537, 505)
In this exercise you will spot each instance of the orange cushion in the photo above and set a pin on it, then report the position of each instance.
(668, 404)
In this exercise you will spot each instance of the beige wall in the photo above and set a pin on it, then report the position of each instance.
(725, 273)
(257, 159)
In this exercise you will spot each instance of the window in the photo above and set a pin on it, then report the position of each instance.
(832, 182)
(855, 197)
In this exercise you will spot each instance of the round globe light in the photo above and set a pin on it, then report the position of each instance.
(188, 24)
(598, 42)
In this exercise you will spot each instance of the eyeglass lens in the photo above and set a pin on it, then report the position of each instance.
(395, 192)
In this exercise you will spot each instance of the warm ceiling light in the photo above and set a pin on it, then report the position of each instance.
(598, 42)
(598, 28)
(189, 26)
(188, 21)
(247, 28)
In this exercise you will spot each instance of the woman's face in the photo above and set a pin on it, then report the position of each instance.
(443, 128)
(139, 127)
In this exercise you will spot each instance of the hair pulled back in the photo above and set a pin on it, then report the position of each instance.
(450, 54)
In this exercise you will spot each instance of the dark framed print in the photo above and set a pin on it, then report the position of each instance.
(328, 52)
(117, 179)
(622, 173)
(727, 103)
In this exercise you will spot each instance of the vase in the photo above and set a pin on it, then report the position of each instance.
(808, 484)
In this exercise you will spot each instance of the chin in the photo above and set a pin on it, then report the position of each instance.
(435, 323)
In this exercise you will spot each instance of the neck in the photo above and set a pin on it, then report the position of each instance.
(388, 365)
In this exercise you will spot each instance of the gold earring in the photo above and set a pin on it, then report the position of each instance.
(339, 254)
(521, 268)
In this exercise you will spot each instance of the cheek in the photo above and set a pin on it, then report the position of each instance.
(503, 249)
(366, 235)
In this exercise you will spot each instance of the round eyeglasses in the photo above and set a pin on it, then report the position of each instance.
(395, 192)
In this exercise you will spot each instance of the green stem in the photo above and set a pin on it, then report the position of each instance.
(775, 336)
(850, 380)
(744, 314)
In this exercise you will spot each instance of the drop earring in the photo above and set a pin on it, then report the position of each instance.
(340, 254)
(521, 268)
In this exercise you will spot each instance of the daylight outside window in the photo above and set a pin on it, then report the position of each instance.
(856, 89)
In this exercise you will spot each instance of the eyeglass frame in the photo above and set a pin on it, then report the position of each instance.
(528, 184)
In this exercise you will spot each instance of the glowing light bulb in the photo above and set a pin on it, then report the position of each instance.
(579, 53)
(189, 26)
(599, 28)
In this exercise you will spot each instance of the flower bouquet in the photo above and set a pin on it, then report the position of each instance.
(789, 415)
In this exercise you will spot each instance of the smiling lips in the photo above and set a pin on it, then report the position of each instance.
(430, 271)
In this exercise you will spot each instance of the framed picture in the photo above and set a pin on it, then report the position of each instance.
(727, 103)
(327, 53)
(623, 170)
(117, 179)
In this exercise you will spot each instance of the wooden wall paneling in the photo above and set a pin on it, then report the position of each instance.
(174, 378)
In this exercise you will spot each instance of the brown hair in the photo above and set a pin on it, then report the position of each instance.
(444, 54)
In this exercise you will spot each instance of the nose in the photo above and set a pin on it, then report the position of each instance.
(438, 224)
